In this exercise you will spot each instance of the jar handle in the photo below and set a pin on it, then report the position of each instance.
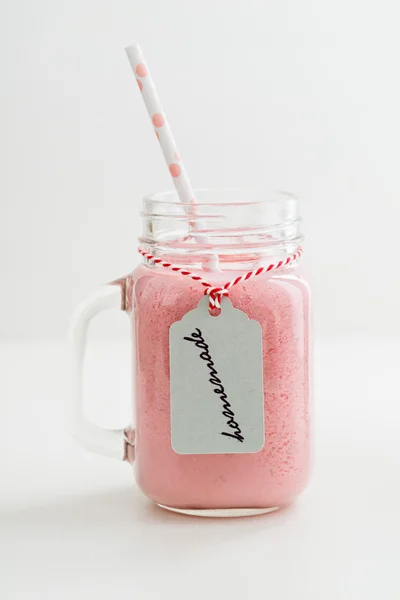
(115, 443)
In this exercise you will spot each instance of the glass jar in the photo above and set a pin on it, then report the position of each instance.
(226, 234)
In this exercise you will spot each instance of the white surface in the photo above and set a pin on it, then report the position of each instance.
(74, 525)
(297, 95)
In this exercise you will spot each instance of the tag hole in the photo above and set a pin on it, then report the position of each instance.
(215, 312)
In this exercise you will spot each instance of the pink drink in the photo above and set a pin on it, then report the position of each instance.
(269, 478)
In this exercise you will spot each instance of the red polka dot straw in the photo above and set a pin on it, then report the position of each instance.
(164, 133)
(215, 293)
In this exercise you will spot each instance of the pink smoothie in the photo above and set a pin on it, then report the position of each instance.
(271, 477)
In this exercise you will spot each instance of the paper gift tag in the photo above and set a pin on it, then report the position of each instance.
(216, 379)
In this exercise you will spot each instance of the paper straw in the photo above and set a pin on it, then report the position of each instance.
(165, 137)
(160, 123)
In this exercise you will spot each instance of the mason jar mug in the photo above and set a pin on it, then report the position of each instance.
(219, 310)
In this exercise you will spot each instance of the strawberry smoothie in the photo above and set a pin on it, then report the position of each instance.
(269, 478)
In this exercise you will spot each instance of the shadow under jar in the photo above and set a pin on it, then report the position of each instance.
(226, 234)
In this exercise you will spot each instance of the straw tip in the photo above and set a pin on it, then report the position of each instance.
(132, 48)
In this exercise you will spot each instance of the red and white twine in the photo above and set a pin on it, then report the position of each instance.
(216, 293)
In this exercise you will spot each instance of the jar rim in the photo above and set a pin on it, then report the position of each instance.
(231, 221)
(232, 196)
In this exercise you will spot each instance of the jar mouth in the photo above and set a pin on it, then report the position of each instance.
(223, 222)
(221, 197)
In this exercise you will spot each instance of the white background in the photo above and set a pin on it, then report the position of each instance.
(295, 95)
(300, 95)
